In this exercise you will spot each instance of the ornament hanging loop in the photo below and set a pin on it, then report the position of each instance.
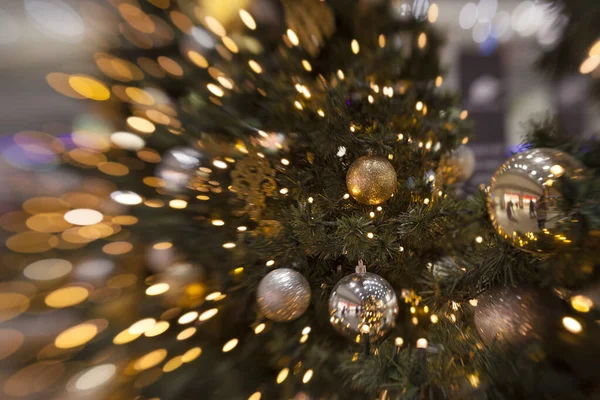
(361, 268)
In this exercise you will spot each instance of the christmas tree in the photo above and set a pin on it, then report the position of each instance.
(291, 222)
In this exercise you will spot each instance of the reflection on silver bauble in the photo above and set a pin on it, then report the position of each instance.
(529, 177)
(444, 268)
(177, 167)
(457, 166)
(363, 299)
(283, 295)
(402, 10)
(514, 315)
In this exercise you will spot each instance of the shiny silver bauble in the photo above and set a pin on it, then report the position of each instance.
(525, 204)
(177, 167)
(283, 295)
(363, 299)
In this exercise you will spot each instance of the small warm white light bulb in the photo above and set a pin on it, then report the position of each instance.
(572, 325)
(365, 329)
(398, 341)
(422, 343)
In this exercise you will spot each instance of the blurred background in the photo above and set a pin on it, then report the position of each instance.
(489, 57)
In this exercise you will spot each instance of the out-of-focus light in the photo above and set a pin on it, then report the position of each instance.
(150, 360)
(247, 19)
(468, 16)
(66, 297)
(433, 13)
(589, 64)
(228, 245)
(486, 9)
(255, 66)
(526, 18)
(127, 141)
(501, 25)
(191, 354)
(126, 197)
(187, 317)
(230, 345)
(202, 37)
(220, 164)
(56, 19)
(141, 124)
(259, 328)
(572, 325)
(255, 396)
(307, 376)
(158, 328)
(89, 88)
(355, 46)
(282, 375)
(83, 216)
(215, 26)
(186, 333)
(141, 326)
(125, 337)
(581, 303)
(157, 289)
(178, 204)
(293, 37)
(48, 269)
(422, 343)
(95, 377)
(208, 314)
(214, 89)
(76, 336)
(481, 31)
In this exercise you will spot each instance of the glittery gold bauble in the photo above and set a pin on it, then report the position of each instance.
(525, 203)
(514, 315)
(283, 295)
(371, 180)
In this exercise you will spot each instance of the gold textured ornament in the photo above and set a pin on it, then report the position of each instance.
(371, 180)
(253, 180)
(524, 201)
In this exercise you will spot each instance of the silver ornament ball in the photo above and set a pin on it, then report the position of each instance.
(524, 203)
(361, 299)
(513, 316)
(457, 166)
(283, 295)
(177, 167)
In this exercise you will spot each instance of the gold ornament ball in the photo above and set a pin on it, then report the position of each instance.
(524, 201)
(371, 180)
